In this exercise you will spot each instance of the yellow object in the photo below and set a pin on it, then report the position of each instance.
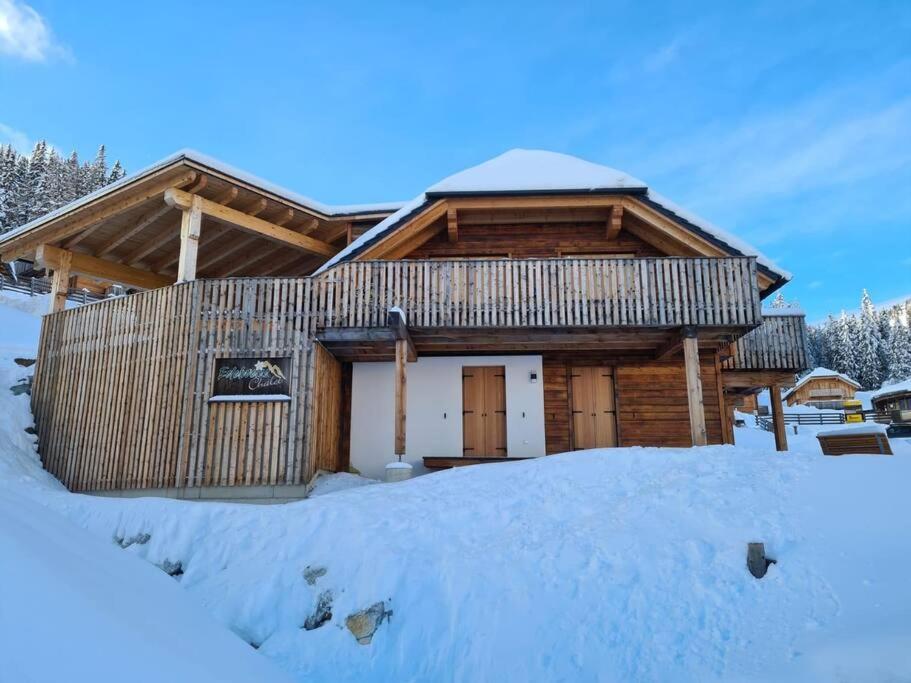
(854, 411)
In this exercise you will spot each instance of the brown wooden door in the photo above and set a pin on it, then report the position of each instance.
(594, 411)
(484, 411)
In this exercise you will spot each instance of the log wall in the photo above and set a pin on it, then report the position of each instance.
(651, 400)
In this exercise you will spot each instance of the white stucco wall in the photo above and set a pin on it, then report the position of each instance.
(434, 411)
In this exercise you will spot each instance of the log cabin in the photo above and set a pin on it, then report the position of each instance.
(822, 388)
(534, 304)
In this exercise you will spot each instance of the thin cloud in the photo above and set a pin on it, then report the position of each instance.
(25, 34)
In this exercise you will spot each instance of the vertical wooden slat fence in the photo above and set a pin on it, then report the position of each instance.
(779, 343)
(608, 292)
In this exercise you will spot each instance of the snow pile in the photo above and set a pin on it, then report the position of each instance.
(611, 565)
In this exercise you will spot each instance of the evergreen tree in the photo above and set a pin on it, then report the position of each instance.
(842, 339)
(899, 354)
(73, 188)
(31, 186)
(868, 346)
(117, 172)
(779, 301)
(8, 207)
(97, 175)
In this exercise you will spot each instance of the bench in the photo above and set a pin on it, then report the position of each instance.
(867, 439)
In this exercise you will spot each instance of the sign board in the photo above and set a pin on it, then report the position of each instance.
(252, 379)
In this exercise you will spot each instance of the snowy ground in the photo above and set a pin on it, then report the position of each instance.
(615, 565)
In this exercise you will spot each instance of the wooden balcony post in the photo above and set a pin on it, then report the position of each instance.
(781, 437)
(190, 230)
(401, 395)
(694, 386)
(60, 284)
(727, 422)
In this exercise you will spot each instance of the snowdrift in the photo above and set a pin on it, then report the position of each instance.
(612, 565)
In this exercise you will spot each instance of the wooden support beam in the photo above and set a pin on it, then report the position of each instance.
(190, 230)
(781, 435)
(251, 224)
(227, 196)
(60, 284)
(670, 348)
(51, 257)
(395, 319)
(739, 379)
(452, 224)
(615, 222)
(401, 395)
(727, 427)
(694, 386)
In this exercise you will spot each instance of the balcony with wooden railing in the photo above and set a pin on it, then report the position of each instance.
(779, 343)
(542, 293)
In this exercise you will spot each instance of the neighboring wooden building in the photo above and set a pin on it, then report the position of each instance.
(894, 399)
(822, 388)
(534, 304)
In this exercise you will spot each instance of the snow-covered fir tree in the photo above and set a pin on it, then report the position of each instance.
(868, 345)
(873, 347)
(33, 185)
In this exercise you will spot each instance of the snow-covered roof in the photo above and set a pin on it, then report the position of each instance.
(531, 170)
(214, 164)
(525, 171)
(820, 373)
(897, 388)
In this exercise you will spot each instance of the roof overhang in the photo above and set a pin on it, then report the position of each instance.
(177, 170)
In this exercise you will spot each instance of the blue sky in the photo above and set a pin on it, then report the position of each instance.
(787, 123)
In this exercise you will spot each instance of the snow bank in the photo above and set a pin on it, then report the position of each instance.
(608, 565)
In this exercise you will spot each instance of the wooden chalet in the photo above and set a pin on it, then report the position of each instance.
(534, 304)
(822, 388)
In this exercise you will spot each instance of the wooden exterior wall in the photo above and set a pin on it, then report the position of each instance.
(122, 386)
(324, 423)
(651, 401)
(536, 240)
(822, 389)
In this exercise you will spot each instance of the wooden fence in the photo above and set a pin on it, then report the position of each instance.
(779, 343)
(611, 292)
(121, 388)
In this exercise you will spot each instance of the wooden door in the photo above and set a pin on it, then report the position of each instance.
(484, 411)
(594, 410)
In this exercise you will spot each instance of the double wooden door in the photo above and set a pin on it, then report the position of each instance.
(484, 411)
(593, 406)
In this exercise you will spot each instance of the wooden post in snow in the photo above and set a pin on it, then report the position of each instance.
(781, 436)
(401, 395)
(694, 386)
